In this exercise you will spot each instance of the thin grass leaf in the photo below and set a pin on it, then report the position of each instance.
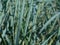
(9, 42)
(48, 39)
(48, 22)
(28, 16)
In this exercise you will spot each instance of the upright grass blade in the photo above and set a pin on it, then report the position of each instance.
(16, 34)
(9, 42)
(34, 22)
(28, 16)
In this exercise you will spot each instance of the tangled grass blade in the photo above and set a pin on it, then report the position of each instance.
(48, 39)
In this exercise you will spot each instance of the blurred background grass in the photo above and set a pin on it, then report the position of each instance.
(29, 22)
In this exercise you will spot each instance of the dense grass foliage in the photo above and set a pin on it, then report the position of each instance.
(29, 22)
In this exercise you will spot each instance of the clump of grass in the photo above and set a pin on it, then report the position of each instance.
(29, 22)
